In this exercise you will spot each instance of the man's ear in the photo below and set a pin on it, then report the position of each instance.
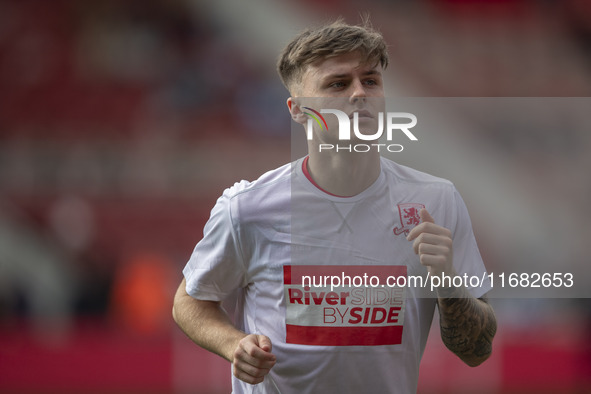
(296, 112)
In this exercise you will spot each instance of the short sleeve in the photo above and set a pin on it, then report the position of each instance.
(216, 267)
(467, 258)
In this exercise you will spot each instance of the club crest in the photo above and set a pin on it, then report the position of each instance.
(409, 217)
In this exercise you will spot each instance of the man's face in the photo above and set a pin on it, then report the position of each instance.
(347, 83)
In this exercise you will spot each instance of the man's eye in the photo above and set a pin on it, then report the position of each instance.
(338, 84)
(371, 82)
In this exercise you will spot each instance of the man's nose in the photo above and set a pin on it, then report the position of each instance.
(358, 90)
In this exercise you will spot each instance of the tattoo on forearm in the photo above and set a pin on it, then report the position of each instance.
(468, 326)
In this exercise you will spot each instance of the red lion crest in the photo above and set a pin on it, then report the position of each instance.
(409, 217)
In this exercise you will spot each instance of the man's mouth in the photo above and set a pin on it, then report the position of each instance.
(362, 114)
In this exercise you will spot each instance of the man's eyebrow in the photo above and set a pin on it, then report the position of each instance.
(345, 75)
(373, 71)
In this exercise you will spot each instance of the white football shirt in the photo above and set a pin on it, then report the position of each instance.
(283, 243)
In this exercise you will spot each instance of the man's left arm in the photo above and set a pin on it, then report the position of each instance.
(468, 324)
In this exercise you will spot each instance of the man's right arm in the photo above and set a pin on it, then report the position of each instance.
(207, 324)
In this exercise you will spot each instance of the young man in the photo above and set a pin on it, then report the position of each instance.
(335, 215)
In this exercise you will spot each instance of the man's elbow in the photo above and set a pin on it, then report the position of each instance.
(483, 345)
(475, 361)
(479, 354)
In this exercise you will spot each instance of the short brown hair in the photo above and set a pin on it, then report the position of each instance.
(327, 41)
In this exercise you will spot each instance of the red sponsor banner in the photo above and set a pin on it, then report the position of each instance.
(337, 336)
(344, 305)
(287, 274)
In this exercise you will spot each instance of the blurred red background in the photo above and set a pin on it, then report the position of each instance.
(122, 121)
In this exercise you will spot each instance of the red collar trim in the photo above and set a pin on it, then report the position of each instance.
(307, 174)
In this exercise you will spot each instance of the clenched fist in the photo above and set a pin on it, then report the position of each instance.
(433, 244)
(253, 358)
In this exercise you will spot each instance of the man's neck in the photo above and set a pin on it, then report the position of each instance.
(344, 173)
